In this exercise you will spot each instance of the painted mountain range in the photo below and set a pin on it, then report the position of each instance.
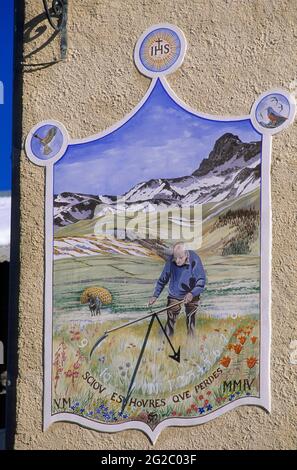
(232, 168)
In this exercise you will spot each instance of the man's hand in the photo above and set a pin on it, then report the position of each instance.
(188, 298)
(152, 300)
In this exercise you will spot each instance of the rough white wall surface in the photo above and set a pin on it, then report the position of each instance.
(236, 50)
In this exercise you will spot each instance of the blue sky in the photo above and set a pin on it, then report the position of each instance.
(6, 77)
(162, 140)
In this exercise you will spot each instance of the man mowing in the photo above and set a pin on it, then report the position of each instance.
(185, 271)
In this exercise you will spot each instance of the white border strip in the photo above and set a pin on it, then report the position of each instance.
(48, 298)
(265, 259)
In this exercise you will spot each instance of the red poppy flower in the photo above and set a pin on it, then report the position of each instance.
(237, 348)
(251, 362)
(225, 361)
(242, 339)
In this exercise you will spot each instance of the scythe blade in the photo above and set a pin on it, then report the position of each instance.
(102, 338)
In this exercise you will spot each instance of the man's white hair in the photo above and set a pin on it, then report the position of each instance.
(178, 246)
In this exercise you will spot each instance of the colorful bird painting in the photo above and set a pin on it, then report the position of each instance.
(45, 141)
(275, 118)
(274, 114)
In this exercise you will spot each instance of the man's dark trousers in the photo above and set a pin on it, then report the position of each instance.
(172, 314)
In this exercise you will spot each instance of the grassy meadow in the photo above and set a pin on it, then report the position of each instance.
(219, 365)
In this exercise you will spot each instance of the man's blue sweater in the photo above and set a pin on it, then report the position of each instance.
(190, 277)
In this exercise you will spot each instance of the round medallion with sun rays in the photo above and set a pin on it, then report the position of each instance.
(160, 50)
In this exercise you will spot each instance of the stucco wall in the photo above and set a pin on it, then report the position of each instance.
(236, 50)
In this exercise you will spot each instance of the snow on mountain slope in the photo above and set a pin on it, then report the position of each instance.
(232, 168)
(69, 247)
(71, 207)
(5, 208)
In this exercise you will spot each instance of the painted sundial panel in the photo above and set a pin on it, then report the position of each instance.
(157, 307)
